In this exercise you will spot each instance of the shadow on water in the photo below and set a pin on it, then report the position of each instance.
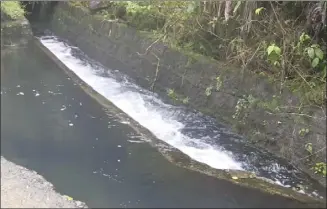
(198, 126)
(198, 136)
(206, 130)
(50, 125)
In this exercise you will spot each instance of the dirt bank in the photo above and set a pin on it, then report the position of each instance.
(23, 188)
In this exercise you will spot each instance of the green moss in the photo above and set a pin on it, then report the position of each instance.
(152, 23)
(271, 105)
(12, 9)
(177, 98)
(311, 92)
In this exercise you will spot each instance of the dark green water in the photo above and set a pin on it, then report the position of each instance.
(50, 125)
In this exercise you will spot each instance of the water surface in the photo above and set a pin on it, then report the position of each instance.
(49, 124)
(194, 134)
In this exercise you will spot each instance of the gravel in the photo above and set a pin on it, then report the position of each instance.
(23, 188)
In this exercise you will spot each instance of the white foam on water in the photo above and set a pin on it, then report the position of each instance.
(135, 104)
(134, 141)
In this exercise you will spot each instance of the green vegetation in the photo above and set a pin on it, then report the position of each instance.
(284, 41)
(176, 97)
(12, 9)
(260, 36)
(303, 132)
(320, 168)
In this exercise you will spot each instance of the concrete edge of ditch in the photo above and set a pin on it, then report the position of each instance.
(20, 28)
(260, 125)
(32, 187)
(30, 183)
(177, 157)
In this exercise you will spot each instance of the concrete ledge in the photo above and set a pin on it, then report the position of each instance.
(15, 32)
(117, 46)
(175, 156)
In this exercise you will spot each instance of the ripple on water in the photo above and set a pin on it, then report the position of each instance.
(194, 134)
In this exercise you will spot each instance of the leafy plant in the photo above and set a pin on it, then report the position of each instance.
(208, 90)
(261, 36)
(219, 83)
(171, 93)
(177, 98)
(320, 168)
(303, 132)
(315, 54)
(259, 10)
(186, 100)
(241, 105)
(274, 54)
(13, 9)
(304, 38)
(308, 147)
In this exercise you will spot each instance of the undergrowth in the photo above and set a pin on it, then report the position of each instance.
(269, 38)
(284, 41)
(13, 9)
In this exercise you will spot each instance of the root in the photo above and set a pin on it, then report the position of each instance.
(150, 46)
(157, 72)
(158, 61)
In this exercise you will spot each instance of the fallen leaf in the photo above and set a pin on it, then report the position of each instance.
(68, 198)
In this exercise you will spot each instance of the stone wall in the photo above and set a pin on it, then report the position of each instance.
(247, 102)
(14, 33)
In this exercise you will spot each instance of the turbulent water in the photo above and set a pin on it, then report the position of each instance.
(194, 134)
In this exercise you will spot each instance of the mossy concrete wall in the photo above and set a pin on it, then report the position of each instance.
(15, 28)
(248, 102)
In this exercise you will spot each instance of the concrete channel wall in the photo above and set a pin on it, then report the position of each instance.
(242, 100)
(14, 32)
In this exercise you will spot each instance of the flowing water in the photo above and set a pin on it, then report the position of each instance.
(194, 134)
(49, 124)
